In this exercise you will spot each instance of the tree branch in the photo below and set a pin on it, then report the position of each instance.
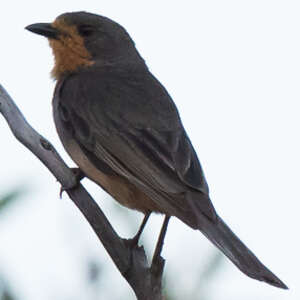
(131, 262)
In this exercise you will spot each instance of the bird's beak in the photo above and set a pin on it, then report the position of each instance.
(45, 29)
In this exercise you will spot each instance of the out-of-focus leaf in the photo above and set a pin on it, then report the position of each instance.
(10, 197)
(7, 296)
(212, 267)
(5, 292)
(94, 271)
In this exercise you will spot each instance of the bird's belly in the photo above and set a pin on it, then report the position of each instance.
(118, 187)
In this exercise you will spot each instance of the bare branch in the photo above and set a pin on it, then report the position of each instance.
(131, 262)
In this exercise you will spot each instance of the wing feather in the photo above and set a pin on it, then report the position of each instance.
(133, 126)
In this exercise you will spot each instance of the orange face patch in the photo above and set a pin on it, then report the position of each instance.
(69, 50)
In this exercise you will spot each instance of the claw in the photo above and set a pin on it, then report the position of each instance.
(79, 175)
(62, 189)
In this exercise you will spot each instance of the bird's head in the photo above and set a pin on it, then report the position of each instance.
(81, 39)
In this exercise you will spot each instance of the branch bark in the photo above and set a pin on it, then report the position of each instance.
(132, 263)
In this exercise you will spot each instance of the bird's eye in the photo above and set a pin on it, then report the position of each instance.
(85, 30)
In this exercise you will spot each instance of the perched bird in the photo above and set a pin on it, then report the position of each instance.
(121, 127)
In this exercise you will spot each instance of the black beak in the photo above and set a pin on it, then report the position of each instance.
(45, 29)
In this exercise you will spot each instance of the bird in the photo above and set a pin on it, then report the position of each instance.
(120, 126)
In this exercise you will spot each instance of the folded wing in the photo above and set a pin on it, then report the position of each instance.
(132, 125)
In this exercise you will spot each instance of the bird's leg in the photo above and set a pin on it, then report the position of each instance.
(134, 241)
(142, 226)
(79, 175)
(160, 241)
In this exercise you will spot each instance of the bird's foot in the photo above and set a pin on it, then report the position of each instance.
(79, 175)
(132, 243)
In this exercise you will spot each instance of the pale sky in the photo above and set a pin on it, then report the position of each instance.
(233, 69)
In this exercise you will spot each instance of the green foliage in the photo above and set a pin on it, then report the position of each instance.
(5, 292)
(10, 198)
(6, 201)
(7, 296)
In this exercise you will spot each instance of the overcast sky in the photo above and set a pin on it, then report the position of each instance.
(233, 69)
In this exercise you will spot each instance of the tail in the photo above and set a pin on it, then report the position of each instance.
(222, 237)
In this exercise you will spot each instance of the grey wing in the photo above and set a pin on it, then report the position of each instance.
(142, 140)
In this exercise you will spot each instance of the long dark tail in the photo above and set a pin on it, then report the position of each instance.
(222, 236)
